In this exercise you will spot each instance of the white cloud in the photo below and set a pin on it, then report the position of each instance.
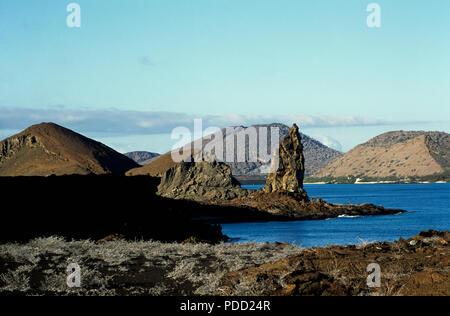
(328, 141)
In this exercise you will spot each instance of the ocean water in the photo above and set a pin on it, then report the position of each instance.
(428, 207)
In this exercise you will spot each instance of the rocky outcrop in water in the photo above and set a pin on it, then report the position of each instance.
(291, 165)
(201, 181)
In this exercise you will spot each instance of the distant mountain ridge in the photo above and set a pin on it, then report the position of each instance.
(142, 157)
(49, 149)
(316, 154)
(394, 154)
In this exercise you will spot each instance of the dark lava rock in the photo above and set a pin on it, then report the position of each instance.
(200, 181)
(93, 207)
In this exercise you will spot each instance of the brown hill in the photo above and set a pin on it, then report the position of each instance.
(157, 167)
(395, 154)
(49, 149)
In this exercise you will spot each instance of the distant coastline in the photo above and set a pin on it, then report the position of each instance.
(440, 178)
(379, 182)
(443, 178)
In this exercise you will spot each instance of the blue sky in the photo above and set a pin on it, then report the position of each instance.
(149, 65)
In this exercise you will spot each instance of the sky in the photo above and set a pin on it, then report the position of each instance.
(137, 69)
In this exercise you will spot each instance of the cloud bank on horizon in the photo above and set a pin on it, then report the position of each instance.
(123, 122)
(126, 130)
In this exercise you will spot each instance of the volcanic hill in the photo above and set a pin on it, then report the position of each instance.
(142, 157)
(316, 154)
(399, 154)
(49, 149)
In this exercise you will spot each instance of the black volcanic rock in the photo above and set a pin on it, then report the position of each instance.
(94, 207)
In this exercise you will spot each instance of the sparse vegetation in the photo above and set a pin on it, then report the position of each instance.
(128, 268)
(152, 268)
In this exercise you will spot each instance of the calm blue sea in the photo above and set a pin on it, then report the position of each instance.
(428, 207)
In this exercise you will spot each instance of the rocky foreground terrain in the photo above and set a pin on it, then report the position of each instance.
(417, 266)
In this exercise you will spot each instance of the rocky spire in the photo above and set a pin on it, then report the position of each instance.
(291, 170)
